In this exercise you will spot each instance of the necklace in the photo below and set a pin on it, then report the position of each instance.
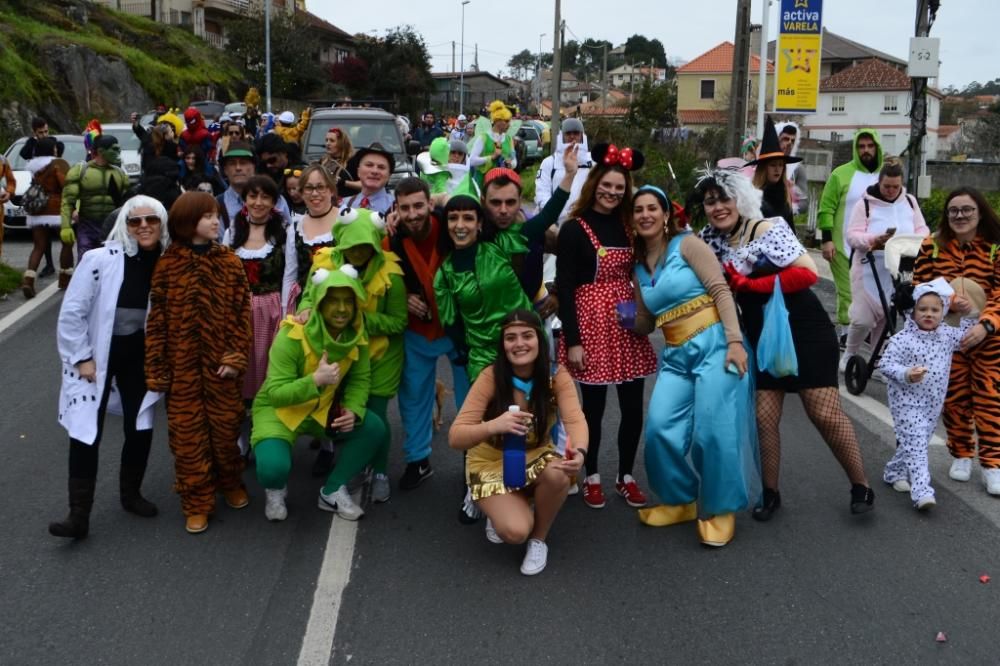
(319, 217)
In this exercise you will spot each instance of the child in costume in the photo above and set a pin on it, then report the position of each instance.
(198, 340)
(358, 233)
(318, 383)
(917, 363)
(494, 144)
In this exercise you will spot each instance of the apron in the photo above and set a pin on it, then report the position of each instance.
(613, 354)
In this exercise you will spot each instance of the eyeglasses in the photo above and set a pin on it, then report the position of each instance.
(150, 220)
(293, 172)
(236, 134)
(315, 189)
(964, 211)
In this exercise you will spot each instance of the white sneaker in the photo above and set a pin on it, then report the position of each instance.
(274, 508)
(925, 503)
(535, 557)
(340, 502)
(380, 488)
(491, 534)
(574, 488)
(901, 486)
(842, 365)
(991, 477)
(877, 376)
(961, 469)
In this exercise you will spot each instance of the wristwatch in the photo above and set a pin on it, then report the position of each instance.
(990, 328)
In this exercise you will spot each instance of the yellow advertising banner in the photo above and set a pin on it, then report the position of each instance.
(798, 56)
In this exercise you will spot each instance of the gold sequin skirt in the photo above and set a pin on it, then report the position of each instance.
(484, 468)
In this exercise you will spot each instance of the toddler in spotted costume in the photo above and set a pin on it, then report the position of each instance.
(917, 363)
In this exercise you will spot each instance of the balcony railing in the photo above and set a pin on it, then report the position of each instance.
(215, 39)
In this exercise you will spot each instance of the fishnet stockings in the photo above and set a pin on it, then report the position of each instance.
(824, 410)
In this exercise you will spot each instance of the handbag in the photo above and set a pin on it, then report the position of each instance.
(776, 348)
(36, 199)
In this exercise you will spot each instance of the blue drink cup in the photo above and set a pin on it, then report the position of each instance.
(514, 458)
(626, 314)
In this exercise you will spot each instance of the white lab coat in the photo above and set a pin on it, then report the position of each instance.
(551, 172)
(86, 321)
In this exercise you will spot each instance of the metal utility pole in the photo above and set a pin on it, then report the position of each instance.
(267, 52)
(765, 19)
(461, 76)
(926, 12)
(741, 66)
(604, 81)
(538, 70)
(556, 72)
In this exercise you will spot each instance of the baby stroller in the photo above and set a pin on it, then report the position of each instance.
(900, 255)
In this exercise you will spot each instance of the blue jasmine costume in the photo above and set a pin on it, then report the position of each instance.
(701, 436)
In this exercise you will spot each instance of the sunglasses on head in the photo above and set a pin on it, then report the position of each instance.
(135, 221)
(293, 172)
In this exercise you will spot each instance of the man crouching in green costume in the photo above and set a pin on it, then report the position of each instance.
(318, 380)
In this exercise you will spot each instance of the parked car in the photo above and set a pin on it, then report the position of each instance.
(528, 146)
(130, 146)
(364, 127)
(210, 109)
(14, 216)
(236, 109)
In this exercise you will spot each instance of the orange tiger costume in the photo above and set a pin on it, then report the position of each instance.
(973, 399)
(199, 320)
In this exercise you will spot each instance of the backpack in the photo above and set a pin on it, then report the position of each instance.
(36, 199)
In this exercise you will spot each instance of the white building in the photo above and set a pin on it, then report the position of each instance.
(871, 94)
(621, 77)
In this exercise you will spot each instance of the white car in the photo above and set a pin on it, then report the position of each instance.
(130, 145)
(14, 216)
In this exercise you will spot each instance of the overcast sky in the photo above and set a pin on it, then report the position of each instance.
(967, 28)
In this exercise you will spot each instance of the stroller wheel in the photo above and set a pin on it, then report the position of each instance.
(856, 375)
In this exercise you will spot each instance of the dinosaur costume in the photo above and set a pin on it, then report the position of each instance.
(290, 403)
(384, 308)
(845, 187)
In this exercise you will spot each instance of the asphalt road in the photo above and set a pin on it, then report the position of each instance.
(815, 585)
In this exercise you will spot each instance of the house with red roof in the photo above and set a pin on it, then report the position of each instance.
(875, 94)
(703, 87)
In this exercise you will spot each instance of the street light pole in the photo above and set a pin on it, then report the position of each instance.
(461, 76)
(267, 52)
(538, 69)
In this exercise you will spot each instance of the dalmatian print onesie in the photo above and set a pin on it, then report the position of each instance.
(916, 407)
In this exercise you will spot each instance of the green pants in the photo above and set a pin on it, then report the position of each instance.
(358, 448)
(379, 405)
(841, 269)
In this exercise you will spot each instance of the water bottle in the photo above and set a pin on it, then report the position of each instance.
(514, 457)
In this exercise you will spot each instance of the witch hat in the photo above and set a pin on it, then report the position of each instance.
(770, 149)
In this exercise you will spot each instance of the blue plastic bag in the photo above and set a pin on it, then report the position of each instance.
(776, 349)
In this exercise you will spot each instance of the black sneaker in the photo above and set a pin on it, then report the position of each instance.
(47, 271)
(415, 474)
(323, 464)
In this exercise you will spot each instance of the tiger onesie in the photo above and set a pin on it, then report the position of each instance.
(199, 320)
(973, 399)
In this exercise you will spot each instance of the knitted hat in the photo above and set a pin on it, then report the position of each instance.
(499, 172)
(572, 125)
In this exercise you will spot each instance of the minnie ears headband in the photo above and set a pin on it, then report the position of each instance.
(608, 154)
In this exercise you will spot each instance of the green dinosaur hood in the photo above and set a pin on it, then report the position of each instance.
(359, 226)
(316, 332)
(873, 133)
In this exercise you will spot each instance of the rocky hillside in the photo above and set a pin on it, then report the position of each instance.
(70, 60)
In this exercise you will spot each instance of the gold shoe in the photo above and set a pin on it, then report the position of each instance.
(717, 531)
(663, 515)
(236, 498)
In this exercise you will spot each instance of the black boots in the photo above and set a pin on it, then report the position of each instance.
(129, 481)
(81, 499)
(770, 503)
(862, 498)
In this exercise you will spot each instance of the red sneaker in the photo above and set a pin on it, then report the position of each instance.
(593, 495)
(629, 489)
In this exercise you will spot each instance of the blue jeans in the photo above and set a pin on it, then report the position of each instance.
(416, 390)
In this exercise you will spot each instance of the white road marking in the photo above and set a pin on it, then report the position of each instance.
(880, 412)
(29, 306)
(317, 644)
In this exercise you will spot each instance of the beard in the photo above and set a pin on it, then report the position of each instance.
(870, 162)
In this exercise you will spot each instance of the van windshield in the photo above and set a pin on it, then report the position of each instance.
(361, 132)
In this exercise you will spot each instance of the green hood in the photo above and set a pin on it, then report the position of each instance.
(359, 226)
(316, 332)
(873, 133)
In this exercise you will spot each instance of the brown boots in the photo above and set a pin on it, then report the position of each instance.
(81, 499)
(64, 275)
(28, 284)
